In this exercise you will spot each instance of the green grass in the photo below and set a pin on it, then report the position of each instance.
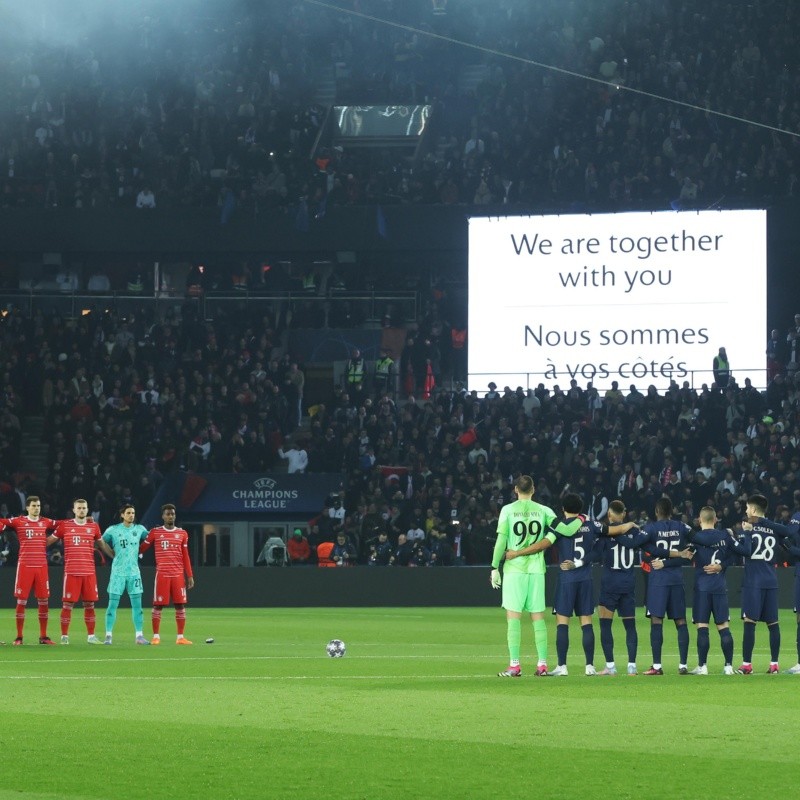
(413, 711)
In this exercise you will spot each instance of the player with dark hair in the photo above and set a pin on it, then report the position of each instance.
(172, 563)
(523, 527)
(618, 584)
(759, 546)
(666, 595)
(574, 591)
(31, 532)
(712, 555)
(80, 536)
(121, 541)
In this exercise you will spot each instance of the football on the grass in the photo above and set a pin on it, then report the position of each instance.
(335, 648)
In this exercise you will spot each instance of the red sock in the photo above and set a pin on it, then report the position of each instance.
(66, 618)
(180, 619)
(20, 619)
(43, 614)
(156, 620)
(89, 617)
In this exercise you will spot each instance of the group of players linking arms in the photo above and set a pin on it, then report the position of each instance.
(526, 529)
(123, 543)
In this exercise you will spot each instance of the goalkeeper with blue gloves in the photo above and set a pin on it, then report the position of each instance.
(525, 525)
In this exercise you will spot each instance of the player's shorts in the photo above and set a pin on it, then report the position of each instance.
(797, 593)
(119, 584)
(523, 591)
(170, 588)
(760, 605)
(31, 578)
(80, 587)
(574, 598)
(706, 604)
(666, 601)
(624, 603)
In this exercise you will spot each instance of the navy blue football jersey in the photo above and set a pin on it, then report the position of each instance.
(759, 547)
(665, 535)
(579, 547)
(711, 546)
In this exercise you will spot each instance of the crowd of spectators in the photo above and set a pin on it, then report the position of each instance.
(173, 107)
(128, 400)
(176, 108)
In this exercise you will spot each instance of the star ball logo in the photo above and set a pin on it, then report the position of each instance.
(266, 494)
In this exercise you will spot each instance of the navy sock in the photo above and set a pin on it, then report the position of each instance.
(774, 642)
(656, 641)
(748, 641)
(631, 638)
(702, 646)
(588, 642)
(683, 642)
(562, 643)
(607, 639)
(726, 640)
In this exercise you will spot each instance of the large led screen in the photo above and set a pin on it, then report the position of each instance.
(638, 298)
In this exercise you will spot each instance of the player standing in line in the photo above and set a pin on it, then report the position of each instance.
(793, 546)
(79, 536)
(618, 585)
(759, 546)
(31, 532)
(574, 591)
(121, 542)
(172, 563)
(711, 558)
(524, 525)
(666, 595)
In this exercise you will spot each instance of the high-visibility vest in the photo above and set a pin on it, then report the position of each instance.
(383, 367)
(355, 370)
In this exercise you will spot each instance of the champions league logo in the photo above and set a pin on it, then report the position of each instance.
(265, 494)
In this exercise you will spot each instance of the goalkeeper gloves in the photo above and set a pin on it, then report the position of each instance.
(496, 580)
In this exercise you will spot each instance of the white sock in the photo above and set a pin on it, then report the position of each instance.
(610, 665)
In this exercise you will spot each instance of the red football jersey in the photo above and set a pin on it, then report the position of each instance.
(79, 539)
(32, 537)
(172, 551)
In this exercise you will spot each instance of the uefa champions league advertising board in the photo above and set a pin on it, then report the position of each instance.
(637, 298)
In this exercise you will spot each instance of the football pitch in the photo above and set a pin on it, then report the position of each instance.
(414, 710)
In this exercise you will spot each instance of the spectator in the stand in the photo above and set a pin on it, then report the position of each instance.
(380, 551)
(297, 459)
(402, 552)
(343, 553)
(146, 198)
(98, 282)
(722, 369)
(298, 549)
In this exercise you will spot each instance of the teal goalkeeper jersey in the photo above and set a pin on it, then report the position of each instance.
(521, 524)
(125, 541)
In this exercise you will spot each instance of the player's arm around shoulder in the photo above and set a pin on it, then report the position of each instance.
(146, 539)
